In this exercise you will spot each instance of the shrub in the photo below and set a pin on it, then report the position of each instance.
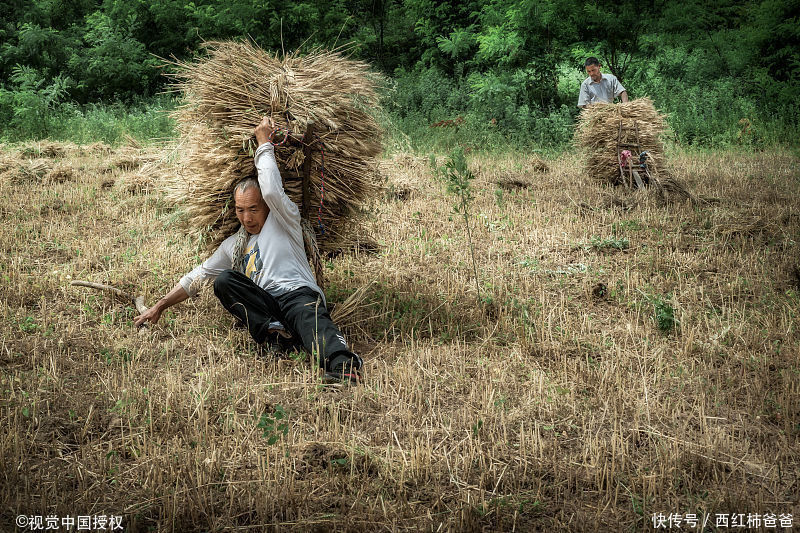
(26, 108)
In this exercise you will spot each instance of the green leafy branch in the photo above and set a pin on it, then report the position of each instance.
(458, 178)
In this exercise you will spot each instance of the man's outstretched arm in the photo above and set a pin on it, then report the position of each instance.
(175, 296)
(280, 205)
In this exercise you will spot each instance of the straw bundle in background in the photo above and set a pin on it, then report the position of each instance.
(597, 132)
(231, 89)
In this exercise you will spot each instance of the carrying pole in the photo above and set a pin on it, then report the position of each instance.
(308, 161)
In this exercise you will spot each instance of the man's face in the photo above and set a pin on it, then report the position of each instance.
(594, 72)
(251, 210)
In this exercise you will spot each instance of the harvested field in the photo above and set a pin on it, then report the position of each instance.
(628, 358)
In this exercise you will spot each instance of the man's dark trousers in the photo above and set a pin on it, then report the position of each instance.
(301, 311)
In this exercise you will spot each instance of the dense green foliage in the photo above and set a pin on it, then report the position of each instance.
(491, 73)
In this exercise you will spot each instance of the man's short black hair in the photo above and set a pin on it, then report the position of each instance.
(591, 61)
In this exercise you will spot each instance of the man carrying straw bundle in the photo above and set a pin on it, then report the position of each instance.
(261, 273)
(599, 87)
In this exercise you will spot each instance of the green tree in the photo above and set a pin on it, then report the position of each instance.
(113, 63)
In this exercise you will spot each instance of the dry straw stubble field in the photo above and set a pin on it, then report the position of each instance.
(629, 357)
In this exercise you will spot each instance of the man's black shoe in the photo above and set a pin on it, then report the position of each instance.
(344, 369)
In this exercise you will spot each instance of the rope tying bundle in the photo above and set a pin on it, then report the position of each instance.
(285, 136)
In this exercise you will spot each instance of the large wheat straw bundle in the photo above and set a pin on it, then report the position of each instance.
(597, 132)
(231, 89)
